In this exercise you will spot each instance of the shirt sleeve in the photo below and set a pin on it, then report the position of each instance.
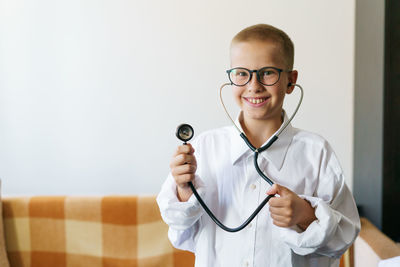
(338, 222)
(181, 217)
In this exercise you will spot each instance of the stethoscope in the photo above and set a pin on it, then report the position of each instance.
(185, 132)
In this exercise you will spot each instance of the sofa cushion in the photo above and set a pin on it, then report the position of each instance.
(89, 231)
(3, 255)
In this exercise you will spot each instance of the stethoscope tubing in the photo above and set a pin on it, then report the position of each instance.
(259, 171)
(221, 225)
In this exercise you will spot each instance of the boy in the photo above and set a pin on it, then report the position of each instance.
(313, 220)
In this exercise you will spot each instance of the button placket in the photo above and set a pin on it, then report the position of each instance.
(249, 167)
(252, 198)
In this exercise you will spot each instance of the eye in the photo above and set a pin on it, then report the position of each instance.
(239, 76)
(241, 73)
(268, 72)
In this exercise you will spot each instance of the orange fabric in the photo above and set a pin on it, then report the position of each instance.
(47, 207)
(19, 258)
(48, 259)
(110, 262)
(89, 232)
(118, 210)
(3, 255)
(124, 231)
(147, 211)
(181, 257)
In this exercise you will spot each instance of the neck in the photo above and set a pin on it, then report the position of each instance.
(259, 131)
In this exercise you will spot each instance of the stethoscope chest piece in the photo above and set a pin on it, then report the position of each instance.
(184, 132)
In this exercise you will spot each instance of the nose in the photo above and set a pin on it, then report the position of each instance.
(254, 85)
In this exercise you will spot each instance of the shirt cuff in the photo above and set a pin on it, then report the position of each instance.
(317, 233)
(182, 215)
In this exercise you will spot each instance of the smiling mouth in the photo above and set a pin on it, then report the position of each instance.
(256, 100)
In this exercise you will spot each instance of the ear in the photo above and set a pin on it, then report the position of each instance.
(292, 77)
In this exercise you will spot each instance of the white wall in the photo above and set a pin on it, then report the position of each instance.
(91, 91)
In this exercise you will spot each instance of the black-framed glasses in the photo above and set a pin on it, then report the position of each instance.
(266, 76)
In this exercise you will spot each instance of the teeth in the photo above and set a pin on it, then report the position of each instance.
(256, 101)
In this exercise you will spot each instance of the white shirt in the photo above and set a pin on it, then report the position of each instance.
(232, 189)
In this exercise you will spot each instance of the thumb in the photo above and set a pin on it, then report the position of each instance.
(277, 189)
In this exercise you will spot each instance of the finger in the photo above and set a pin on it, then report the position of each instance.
(183, 169)
(281, 211)
(279, 218)
(273, 189)
(279, 202)
(283, 221)
(277, 211)
(280, 224)
(185, 159)
(189, 159)
(276, 189)
(184, 149)
(182, 180)
(280, 190)
(182, 159)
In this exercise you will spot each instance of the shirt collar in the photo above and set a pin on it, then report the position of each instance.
(275, 153)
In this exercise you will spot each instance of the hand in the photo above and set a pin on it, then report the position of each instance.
(289, 209)
(183, 168)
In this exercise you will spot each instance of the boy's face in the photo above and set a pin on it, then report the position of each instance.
(258, 101)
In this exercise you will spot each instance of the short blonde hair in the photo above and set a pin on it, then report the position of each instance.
(265, 32)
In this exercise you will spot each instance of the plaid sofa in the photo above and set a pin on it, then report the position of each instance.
(121, 231)
(112, 231)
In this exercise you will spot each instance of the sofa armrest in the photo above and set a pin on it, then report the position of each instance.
(372, 246)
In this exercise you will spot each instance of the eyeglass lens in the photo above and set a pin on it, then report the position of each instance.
(266, 76)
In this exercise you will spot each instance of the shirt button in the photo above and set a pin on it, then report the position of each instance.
(250, 225)
(253, 186)
(246, 263)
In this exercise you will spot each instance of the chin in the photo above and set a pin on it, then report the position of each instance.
(253, 116)
(259, 115)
